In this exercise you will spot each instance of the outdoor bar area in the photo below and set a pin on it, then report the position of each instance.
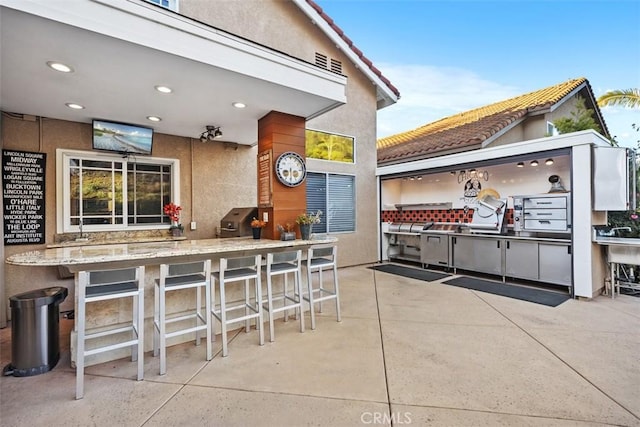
(119, 203)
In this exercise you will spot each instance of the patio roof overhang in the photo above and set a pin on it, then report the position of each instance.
(494, 155)
(120, 50)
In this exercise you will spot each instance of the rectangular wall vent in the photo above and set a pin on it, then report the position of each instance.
(336, 66)
(321, 60)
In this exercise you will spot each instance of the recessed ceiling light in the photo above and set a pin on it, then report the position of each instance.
(154, 118)
(59, 66)
(520, 164)
(534, 163)
(164, 89)
(239, 104)
(74, 106)
(548, 162)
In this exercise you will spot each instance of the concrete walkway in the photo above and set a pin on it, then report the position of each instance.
(407, 352)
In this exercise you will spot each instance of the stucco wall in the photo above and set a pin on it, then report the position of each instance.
(281, 25)
(534, 127)
(213, 179)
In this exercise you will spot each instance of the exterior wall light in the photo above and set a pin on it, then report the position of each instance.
(212, 132)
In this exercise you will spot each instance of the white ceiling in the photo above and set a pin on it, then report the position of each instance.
(114, 79)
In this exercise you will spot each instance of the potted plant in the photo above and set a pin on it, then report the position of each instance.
(173, 211)
(306, 221)
(256, 227)
(286, 232)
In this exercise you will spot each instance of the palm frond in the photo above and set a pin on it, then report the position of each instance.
(624, 98)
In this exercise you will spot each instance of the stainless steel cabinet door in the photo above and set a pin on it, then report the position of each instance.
(434, 249)
(555, 263)
(521, 259)
(478, 254)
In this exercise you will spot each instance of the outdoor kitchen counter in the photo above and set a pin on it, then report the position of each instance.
(90, 257)
(511, 236)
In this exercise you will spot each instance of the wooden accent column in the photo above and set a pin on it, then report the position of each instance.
(279, 133)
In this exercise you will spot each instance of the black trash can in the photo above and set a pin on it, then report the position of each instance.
(35, 331)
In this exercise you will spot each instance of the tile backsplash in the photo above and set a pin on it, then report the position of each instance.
(435, 215)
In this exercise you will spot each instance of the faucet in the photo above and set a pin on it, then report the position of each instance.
(614, 229)
(81, 238)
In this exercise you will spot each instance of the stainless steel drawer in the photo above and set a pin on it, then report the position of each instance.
(545, 202)
(545, 214)
(545, 225)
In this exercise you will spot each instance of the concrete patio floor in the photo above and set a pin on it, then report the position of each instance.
(407, 352)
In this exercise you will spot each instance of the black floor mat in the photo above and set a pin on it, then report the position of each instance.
(538, 296)
(413, 273)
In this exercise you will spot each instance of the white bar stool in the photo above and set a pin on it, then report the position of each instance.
(175, 277)
(105, 285)
(318, 260)
(283, 264)
(241, 269)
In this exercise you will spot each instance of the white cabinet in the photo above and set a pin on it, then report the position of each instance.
(614, 178)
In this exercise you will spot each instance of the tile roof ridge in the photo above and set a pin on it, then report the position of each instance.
(506, 105)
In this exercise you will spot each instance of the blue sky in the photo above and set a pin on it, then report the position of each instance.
(448, 56)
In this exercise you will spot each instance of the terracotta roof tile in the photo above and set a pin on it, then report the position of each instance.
(465, 130)
(355, 50)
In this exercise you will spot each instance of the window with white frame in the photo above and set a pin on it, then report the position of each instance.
(167, 4)
(335, 196)
(329, 146)
(108, 192)
(551, 129)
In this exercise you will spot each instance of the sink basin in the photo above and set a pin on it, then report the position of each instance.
(624, 254)
(621, 250)
(622, 241)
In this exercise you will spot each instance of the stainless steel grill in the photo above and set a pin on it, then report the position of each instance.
(407, 227)
(237, 222)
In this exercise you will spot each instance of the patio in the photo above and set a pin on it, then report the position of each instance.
(406, 351)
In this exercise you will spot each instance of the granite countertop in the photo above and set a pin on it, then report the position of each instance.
(147, 252)
(95, 242)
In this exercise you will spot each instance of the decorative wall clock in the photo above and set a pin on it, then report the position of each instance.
(290, 169)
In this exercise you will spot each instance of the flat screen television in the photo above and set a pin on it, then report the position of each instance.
(122, 138)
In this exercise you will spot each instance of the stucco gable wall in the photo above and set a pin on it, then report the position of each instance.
(277, 24)
(535, 126)
(514, 134)
(282, 26)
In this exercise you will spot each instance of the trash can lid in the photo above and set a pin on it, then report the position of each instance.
(39, 297)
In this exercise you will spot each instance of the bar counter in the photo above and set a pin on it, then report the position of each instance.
(151, 255)
(91, 257)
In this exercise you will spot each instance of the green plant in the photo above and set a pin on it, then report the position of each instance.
(309, 218)
(629, 219)
(288, 228)
(581, 119)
